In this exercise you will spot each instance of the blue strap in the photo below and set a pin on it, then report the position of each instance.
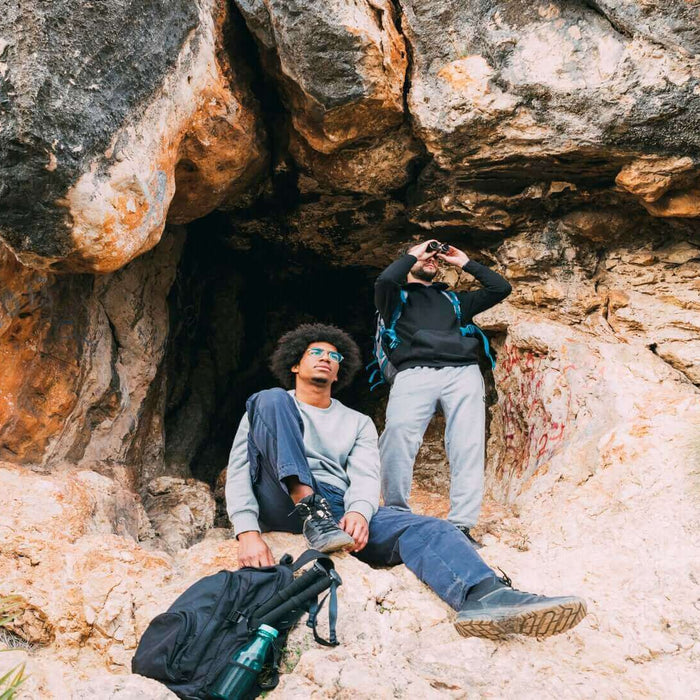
(315, 609)
(380, 370)
(390, 331)
(454, 300)
(470, 328)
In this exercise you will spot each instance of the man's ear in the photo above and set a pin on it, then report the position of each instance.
(295, 369)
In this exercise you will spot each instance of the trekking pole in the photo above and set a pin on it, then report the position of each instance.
(315, 573)
(306, 587)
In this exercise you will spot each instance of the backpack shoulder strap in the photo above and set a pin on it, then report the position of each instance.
(473, 329)
(403, 298)
(312, 621)
(390, 331)
(454, 300)
(312, 555)
(469, 328)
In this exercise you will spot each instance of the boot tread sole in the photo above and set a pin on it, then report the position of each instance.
(335, 544)
(544, 622)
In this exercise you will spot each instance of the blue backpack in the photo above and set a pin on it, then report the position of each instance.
(385, 339)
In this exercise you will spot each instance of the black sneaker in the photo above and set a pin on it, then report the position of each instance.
(320, 529)
(494, 610)
(465, 531)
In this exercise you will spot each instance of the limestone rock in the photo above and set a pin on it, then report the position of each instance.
(650, 178)
(374, 169)
(666, 186)
(121, 688)
(104, 590)
(496, 86)
(476, 65)
(660, 307)
(678, 204)
(181, 510)
(338, 228)
(47, 678)
(98, 118)
(340, 73)
(35, 343)
(223, 152)
(80, 361)
(664, 22)
(341, 69)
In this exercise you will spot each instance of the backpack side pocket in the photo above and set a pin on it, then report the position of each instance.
(161, 645)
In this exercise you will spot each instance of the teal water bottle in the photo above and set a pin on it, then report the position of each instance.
(236, 680)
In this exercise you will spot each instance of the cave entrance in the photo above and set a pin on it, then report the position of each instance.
(230, 302)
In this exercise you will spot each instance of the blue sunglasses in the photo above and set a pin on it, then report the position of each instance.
(320, 352)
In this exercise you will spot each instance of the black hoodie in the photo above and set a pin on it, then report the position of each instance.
(428, 327)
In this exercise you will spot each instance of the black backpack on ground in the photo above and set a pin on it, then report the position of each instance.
(187, 646)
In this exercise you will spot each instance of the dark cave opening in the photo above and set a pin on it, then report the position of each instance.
(228, 306)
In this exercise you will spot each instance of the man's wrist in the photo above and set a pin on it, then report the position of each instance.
(248, 535)
(364, 508)
(244, 520)
(357, 512)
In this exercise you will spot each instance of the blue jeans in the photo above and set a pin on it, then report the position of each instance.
(433, 549)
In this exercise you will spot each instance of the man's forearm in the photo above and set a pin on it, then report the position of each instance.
(495, 289)
(398, 270)
(386, 288)
(241, 504)
(244, 521)
(362, 496)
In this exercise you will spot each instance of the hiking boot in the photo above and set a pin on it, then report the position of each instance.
(320, 529)
(465, 531)
(494, 610)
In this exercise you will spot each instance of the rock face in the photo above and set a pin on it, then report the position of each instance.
(342, 68)
(497, 81)
(181, 510)
(557, 143)
(80, 361)
(99, 119)
(491, 100)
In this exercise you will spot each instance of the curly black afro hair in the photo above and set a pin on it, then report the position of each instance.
(292, 345)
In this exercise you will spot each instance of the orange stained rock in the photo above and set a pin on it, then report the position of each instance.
(38, 363)
(676, 204)
(650, 177)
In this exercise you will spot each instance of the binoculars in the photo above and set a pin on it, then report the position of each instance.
(439, 247)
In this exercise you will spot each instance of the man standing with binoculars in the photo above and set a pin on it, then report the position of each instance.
(436, 354)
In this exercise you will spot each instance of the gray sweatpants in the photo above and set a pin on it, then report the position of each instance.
(413, 400)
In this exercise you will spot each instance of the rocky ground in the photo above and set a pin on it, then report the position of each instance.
(608, 511)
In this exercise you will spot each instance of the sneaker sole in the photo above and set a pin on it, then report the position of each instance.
(332, 546)
(544, 622)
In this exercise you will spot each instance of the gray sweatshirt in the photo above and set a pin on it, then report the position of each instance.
(341, 449)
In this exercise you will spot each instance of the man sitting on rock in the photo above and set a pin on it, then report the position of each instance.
(437, 366)
(303, 462)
